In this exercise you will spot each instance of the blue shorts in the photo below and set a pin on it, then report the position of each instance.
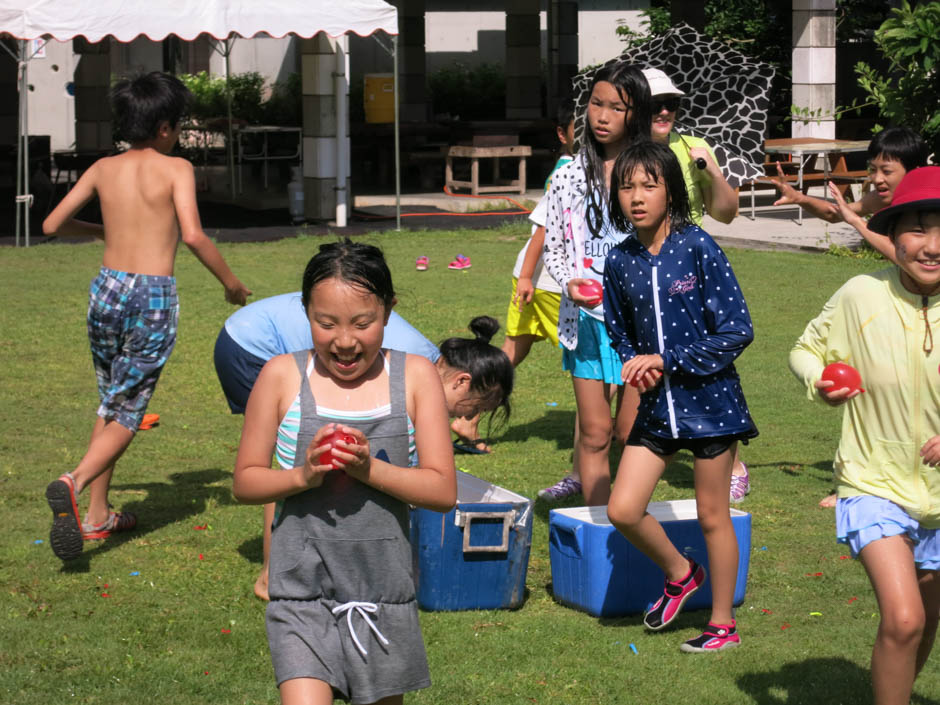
(237, 370)
(132, 322)
(593, 358)
(863, 519)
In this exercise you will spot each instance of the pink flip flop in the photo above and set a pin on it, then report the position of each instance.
(421, 263)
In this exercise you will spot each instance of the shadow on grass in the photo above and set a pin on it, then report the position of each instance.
(821, 468)
(165, 503)
(555, 425)
(679, 474)
(815, 680)
(252, 550)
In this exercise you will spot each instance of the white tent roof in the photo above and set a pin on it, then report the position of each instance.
(127, 19)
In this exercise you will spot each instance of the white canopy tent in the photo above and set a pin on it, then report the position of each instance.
(124, 20)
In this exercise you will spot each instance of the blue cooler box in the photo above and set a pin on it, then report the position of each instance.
(595, 569)
(475, 556)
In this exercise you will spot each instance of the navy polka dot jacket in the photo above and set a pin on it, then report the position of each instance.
(684, 304)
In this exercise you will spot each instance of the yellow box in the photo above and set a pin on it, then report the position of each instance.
(379, 97)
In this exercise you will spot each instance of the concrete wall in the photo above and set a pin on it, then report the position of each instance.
(52, 108)
(814, 66)
(275, 59)
(50, 77)
(468, 37)
(453, 33)
(597, 28)
(318, 57)
(93, 131)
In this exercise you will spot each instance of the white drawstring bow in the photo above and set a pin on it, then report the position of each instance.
(360, 608)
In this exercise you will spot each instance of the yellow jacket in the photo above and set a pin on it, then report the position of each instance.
(877, 326)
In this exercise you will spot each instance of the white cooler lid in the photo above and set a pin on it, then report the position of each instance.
(672, 510)
(474, 490)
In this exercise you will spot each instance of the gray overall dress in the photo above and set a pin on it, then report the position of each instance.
(341, 562)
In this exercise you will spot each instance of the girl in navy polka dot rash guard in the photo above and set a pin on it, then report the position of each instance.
(677, 318)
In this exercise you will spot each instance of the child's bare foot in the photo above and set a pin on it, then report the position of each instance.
(829, 501)
(261, 585)
(466, 430)
(464, 427)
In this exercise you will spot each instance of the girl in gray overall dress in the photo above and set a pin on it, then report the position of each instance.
(343, 619)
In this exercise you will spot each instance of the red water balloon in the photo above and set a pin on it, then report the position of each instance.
(326, 457)
(593, 290)
(635, 380)
(842, 376)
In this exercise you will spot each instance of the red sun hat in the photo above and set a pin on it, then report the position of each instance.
(919, 190)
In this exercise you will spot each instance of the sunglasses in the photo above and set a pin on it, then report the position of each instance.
(671, 104)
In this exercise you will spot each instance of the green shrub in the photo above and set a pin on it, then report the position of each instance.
(284, 105)
(209, 95)
(469, 92)
(910, 94)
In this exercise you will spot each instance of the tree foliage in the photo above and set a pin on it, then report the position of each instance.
(762, 29)
(856, 20)
(909, 94)
(282, 107)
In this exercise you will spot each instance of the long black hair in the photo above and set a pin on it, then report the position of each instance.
(658, 161)
(634, 91)
(491, 372)
(357, 263)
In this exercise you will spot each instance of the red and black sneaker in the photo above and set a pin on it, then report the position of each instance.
(65, 537)
(716, 637)
(116, 521)
(668, 607)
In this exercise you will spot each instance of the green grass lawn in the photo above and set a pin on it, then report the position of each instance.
(167, 612)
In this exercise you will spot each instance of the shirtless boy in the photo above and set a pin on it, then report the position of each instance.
(148, 203)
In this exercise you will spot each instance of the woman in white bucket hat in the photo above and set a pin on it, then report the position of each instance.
(709, 192)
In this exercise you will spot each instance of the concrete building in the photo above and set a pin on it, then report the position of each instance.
(540, 44)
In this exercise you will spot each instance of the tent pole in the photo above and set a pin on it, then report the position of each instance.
(228, 99)
(19, 135)
(397, 142)
(340, 88)
(26, 197)
(23, 197)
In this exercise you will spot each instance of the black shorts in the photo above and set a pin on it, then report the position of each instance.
(237, 370)
(703, 448)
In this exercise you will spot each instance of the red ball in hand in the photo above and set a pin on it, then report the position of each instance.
(635, 380)
(326, 457)
(593, 290)
(843, 376)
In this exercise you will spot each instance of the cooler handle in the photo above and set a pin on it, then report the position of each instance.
(570, 547)
(466, 519)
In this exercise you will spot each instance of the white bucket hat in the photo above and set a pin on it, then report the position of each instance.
(660, 83)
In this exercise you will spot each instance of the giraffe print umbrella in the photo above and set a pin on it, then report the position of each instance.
(725, 98)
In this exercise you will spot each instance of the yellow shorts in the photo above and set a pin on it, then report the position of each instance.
(539, 317)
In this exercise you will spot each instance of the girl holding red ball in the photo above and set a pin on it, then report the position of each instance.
(578, 236)
(888, 507)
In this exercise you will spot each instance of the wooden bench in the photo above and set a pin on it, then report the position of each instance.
(475, 154)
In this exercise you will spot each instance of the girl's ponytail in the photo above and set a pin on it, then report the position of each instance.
(491, 372)
(484, 328)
